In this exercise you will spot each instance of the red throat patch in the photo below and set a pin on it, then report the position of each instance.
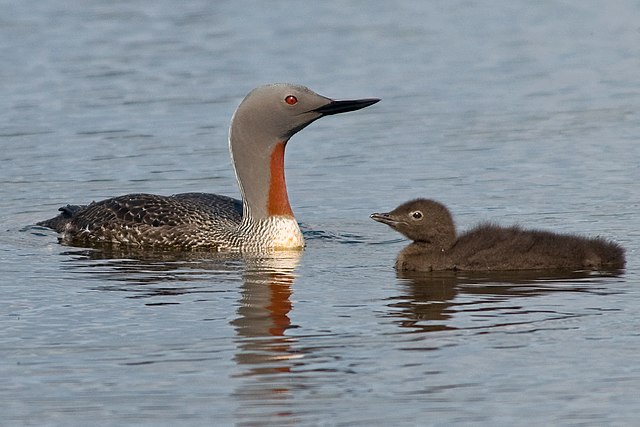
(278, 203)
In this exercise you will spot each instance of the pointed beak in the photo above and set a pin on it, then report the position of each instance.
(337, 107)
(384, 218)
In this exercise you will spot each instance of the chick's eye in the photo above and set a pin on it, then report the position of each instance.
(291, 100)
(416, 215)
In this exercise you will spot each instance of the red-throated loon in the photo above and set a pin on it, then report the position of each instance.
(489, 247)
(260, 128)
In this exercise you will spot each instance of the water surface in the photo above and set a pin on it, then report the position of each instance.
(515, 112)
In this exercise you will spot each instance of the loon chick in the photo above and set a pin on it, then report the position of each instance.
(488, 246)
(260, 128)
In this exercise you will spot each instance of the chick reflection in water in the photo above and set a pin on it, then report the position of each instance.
(446, 300)
(489, 247)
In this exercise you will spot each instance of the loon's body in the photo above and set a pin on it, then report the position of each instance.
(490, 247)
(189, 220)
(260, 129)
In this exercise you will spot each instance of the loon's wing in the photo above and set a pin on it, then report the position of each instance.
(149, 209)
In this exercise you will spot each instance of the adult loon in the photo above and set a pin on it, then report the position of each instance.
(489, 247)
(260, 128)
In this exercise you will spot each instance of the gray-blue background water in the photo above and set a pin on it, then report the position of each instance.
(515, 111)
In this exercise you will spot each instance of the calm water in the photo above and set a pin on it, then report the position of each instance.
(516, 112)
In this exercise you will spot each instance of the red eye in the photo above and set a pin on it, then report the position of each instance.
(291, 100)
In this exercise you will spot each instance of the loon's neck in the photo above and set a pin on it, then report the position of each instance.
(278, 199)
(267, 217)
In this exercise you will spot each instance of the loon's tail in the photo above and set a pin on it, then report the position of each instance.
(59, 222)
